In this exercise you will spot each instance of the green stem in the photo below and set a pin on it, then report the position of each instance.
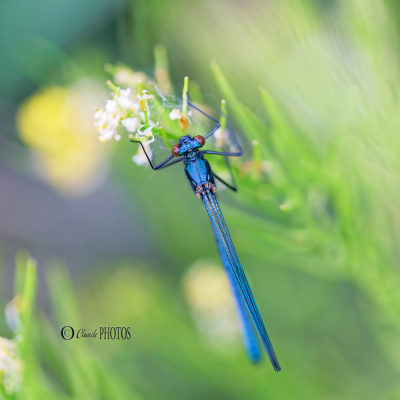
(184, 95)
(222, 119)
(161, 70)
(113, 87)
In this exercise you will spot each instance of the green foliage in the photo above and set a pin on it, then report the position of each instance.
(312, 89)
(314, 212)
(53, 368)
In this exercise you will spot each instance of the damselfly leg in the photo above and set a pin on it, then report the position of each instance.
(209, 117)
(163, 164)
(231, 185)
(237, 153)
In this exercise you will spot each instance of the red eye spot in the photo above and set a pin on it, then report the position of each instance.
(175, 150)
(200, 140)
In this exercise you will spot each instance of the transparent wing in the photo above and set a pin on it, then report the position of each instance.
(160, 111)
(231, 261)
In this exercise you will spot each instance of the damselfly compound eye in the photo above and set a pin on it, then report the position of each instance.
(200, 140)
(175, 150)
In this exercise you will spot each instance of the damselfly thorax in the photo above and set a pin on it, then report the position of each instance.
(197, 168)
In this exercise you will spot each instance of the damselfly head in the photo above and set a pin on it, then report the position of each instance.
(185, 140)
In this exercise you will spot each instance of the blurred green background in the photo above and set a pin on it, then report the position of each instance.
(316, 220)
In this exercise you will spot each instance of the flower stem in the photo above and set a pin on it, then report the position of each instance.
(184, 95)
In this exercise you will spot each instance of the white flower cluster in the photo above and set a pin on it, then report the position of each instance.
(132, 114)
(10, 366)
(116, 110)
(122, 109)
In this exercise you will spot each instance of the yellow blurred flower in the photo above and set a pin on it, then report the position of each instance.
(57, 125)
(206, 288)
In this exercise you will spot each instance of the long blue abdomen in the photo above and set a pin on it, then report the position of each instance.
(250, 339)
(236, 273)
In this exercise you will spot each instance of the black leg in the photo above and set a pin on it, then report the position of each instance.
(228, 185)
(208, 116)
(163, 164)
(232, 185)
(230, 130)
(223, 153)
(234, 137)
(201, 111)
(212, 131)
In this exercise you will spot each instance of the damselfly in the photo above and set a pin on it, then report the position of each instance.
(202, 180)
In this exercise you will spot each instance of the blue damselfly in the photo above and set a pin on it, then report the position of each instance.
(202, 180)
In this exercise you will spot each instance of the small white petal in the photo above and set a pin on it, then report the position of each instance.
(148, 131)
(175, 114)
(130, 124)
(125, 92)
(111, 106)
(98, 114)
(140, 158)
(145, 96)
(126, 103)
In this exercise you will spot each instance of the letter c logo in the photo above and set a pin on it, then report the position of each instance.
(67, 332)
